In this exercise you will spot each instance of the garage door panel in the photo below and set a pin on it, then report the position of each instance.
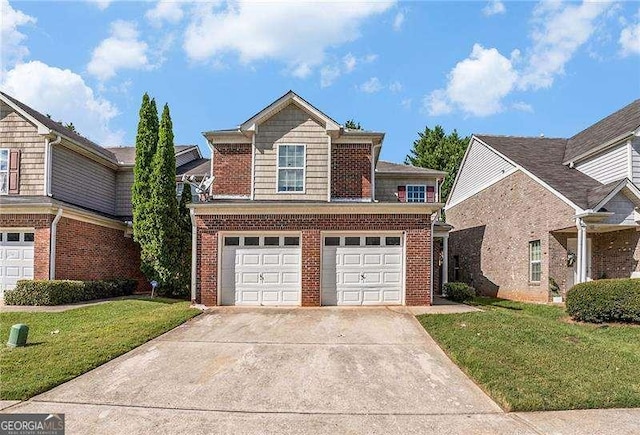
(393, 259)
(271, 278)
(290, 278)
(350, 278)
(391, 295)
(271, 259)
(373, 259)
(392, 277)
(351, 260)
(13, 254)
(290, 297)
(291, 259)
(27, 273)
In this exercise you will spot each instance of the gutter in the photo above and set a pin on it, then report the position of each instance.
(194, 252)
(48, 153)
(52, 244)
(373, 170)
(433, 222)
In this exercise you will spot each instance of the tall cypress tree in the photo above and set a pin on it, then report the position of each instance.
(146, 144)
(163, 208)
(184, 278)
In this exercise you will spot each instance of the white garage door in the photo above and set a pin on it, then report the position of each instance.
(260, 270)
(362, 270)
(16, 257)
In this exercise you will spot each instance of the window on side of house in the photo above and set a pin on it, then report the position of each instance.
(416, 193)
(291, 160)
(4, 171)
(535, 261)
(456, 268)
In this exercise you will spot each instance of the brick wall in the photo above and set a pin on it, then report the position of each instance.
(41, 224)
(492, 231)
(417, 227)
(232, 169)
(87, 251)
(351, 171)
(615, 254)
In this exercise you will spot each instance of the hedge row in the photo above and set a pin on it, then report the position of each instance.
(34, 292)
(605, 300)
(459, 291)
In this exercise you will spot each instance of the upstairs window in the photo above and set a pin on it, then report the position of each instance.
(291, 168)
(4, 171)
(535, 260)
(416, 193)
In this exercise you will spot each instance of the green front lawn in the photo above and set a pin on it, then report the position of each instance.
(64, 345)
(529, 357)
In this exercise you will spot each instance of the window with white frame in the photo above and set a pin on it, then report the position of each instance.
(535, 261)
(416, 193)
(291, 168)
(4, 171)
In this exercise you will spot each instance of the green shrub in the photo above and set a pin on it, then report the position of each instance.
(605, 300)
(36, 292)
(459, 291)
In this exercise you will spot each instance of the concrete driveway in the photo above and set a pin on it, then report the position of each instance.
(329, 370)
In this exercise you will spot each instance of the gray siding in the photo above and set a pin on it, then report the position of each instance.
(482, 168)
(124, 181)
(622, 208)
(387, 186)
(635, 159)
(82, 181)
(607, 167)
(295, 126)
(186, 157)
(17, 133)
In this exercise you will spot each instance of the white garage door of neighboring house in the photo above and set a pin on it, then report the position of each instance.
(16, 257)
(260, 270)
(362, 270)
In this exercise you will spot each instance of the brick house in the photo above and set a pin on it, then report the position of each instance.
(65, 202)
(529, 210)
(302, 212)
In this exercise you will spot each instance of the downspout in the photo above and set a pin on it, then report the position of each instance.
(433, 222)
(52, 244)
(48, 152)
(194, 252)
(373, 171)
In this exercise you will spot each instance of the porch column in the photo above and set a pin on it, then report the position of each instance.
(581, 261)
(445, 259)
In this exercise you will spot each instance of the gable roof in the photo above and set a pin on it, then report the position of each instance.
(619, 124)
(384, 167)
(543, 157)
(126, 155)
(281, 103)
(197, 167)
(56, 127)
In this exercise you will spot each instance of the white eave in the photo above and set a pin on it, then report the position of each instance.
(289, 207)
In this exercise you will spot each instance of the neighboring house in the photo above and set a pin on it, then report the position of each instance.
(302, 212)
(527, 210)
(65, 202)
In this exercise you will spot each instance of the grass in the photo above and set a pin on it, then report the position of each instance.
(530, 357)
(64, 345)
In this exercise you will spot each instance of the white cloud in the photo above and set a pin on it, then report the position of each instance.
(64, 95)
(476, 85)
(371, 86)
(165, 10)
(121, 50)
(328, 75)
(522, 106)
(101, 4)
(560, 29)
(406, 103)
(295, 33)
(349, 62)
(494, 7)
(630, 40)
(331, 72)
(11, 48)
(398, 21)
(395, 87)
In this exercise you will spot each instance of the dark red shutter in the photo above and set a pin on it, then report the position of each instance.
(14, 171)
(402, 193)
(431, 194)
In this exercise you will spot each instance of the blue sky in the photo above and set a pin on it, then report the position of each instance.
(520, 68)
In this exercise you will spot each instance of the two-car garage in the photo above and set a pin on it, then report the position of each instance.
(356, 269)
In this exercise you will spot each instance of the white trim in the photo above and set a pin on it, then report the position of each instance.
(194, 255)
(532, 262)
(52, 244)
(329, 146)
(221, 196)
(253, 165)
(304, 208)
(433, 222)
(623, 183)
(70, 212)
(191, 148)
(406, 186)
(350, 200)
(8, 150)
(629, 160)
(304, 169)
(545, 185)
(367, 139)
(372, 184)
(455, 181)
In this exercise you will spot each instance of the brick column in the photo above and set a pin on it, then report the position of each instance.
(207, 282)
(311, 268)
(418, 279)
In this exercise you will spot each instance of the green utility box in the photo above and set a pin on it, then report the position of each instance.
(18, 335)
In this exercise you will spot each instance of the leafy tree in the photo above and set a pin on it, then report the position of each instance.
(437, 150)
(146, 144)
(184, 278)
(352, 125)
(163, 209)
